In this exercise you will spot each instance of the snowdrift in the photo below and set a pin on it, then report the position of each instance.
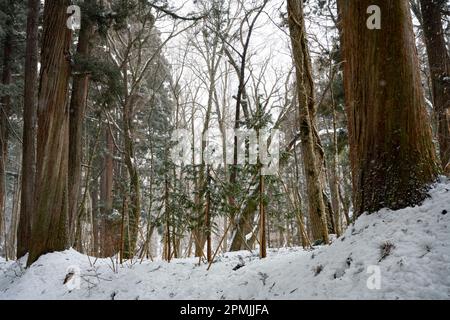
(403, 254)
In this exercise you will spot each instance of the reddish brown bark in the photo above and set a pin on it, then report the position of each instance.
(439, 62)
(77, 111)
(29, 122)
(392, 154)
(49, 230)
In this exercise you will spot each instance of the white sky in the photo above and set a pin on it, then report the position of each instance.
(269, 41)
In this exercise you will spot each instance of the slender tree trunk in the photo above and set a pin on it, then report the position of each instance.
(262, 218)
(123, 226)
(334, 185)
(439, 62)
(241, 102)
(298, 205)
(108, 229)
(319, 152)
(12, 237)
(77, 111)
(391, 150)
(202, 232)
(244, 225)
(131, 234)
(95, 219)
(135, 193)
(345, 200)
(49, 230)
(29, 122)
(208, 215)
(305, 90)
(168, 249)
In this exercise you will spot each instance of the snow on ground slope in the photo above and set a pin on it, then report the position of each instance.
(411, 247)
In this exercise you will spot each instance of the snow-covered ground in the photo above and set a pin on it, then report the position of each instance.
(402, 254)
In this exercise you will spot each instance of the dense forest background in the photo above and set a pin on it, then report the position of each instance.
(88, 119)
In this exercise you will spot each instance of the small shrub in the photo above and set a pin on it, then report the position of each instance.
(318, 269)
(386, 249)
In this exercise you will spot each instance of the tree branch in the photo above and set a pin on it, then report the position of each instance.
(176, 16)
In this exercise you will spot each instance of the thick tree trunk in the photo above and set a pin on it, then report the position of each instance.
(305, 91)
(29, 122)
(77, 111)
(49, 230)
(391, 150)
(439, 62)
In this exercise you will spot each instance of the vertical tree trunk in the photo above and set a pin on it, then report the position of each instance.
(305, 91)
(244, 225)
(202, 232)
(334, 185)
(391, 149)
(29, 121)
(262, 217)
(439, 62)
(77, 111)
(241, 102)
(131, 233)
(5, 109)
(298, 205)
(107, 238)
(12, 236)
(123, 226)
(95, 219)
(208, 215)
(168, 245)
(49, 230)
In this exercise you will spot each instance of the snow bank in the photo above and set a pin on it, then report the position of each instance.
(408, 249)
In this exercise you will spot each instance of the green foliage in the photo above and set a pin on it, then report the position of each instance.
(103, 73)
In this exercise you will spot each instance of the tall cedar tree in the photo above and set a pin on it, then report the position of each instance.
(49, 230)
(391, 149)
(439, 62)
(77, 111)
(5, 110)
(305, 91)
(29, 120)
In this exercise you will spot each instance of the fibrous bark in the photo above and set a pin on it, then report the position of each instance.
(439, 62)
(49, 230)
(305, 91)
(391, 149)
(77, 111)
(29, 122)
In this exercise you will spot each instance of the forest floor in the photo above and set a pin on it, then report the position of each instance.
(407, 251)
